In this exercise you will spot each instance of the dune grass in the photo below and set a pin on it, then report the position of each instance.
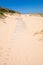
(2, 15)
(41, 15)
(39, 33)
(6, 11)
(36, 15)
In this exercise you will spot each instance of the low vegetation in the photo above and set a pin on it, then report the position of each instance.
(36, 15)
(39, 33)
(41, 15)
(5, 10)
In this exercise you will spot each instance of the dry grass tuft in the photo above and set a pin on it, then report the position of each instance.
(40, 33)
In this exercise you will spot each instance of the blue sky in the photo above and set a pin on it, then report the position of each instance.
(23, 6)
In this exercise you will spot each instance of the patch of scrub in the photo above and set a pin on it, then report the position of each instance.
(39, 35)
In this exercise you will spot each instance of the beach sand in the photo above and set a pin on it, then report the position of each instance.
(21, 40)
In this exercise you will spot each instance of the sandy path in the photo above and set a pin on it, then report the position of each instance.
(22, 47)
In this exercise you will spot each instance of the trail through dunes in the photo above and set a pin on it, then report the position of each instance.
(20, 42)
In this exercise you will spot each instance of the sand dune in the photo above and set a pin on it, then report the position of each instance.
(21, 40)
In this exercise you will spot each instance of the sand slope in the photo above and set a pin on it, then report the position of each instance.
(21, 42)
